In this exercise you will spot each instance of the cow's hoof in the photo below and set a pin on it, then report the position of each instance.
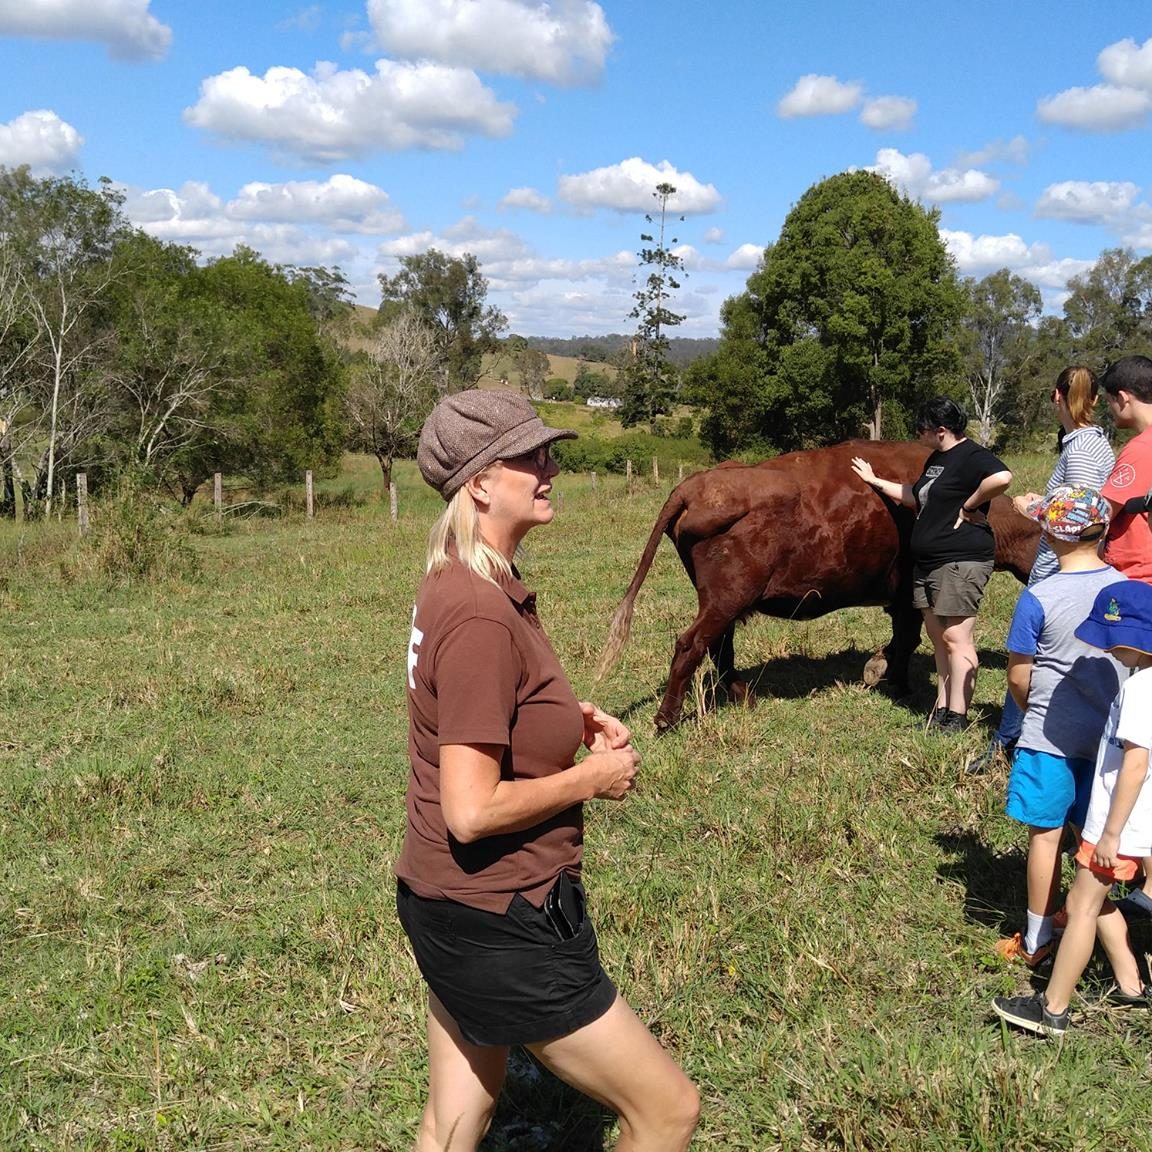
(741, 694)
(875, 670)
(663, 724)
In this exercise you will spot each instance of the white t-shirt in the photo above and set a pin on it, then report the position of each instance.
(1129, 719)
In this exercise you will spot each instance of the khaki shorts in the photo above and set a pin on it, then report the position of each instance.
(954, 589)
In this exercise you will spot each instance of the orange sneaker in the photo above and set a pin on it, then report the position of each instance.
(1012, 948)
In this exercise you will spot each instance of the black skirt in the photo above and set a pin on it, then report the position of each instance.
(507, 979)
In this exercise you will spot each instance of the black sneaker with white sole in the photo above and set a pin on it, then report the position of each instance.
(1031, 1013)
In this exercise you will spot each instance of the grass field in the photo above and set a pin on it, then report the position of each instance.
(201, 796)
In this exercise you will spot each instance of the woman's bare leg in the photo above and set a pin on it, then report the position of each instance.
(617, 1061)
(934, 626)
(959, 634)
(464, 1082)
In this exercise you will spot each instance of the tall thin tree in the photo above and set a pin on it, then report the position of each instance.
(650, 379)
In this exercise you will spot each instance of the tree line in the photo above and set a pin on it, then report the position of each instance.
(120, 352)
(856, 314)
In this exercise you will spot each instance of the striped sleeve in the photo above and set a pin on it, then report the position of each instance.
(1089, 461)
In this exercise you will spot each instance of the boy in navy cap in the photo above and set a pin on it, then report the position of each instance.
(1118, 829)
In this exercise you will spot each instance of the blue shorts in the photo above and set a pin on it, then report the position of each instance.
(1047, 791)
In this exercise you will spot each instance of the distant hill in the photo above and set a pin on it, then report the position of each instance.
(600, 349)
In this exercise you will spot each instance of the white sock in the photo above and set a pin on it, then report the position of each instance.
(1039, 931)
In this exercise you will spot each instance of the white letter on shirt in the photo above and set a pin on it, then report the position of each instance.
(413, 650)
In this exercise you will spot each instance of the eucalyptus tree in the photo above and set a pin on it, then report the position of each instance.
(1000, 316)
(392, 388)
(1108, 310)
(448, 294)
(62, 236)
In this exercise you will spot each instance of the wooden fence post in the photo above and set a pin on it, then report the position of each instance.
(628, 476)
(593, 481)
(680, 472)
(309, 495)
(656, 469)
(393, 507)
(82, 502)
(218, 494)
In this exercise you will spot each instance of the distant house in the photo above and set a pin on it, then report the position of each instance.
(603, 402)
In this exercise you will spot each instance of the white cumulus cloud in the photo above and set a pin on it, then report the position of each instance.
(1104, 108)
(888, 113)
(815, 95)
(630, 186)
(1089, 202)
(299, 222)
(41, 140)
(332, 115)
(527, 198)
(915, 176)
(342, 203)
(562, 43)
(746, 258)
(126, 27)
(979, 255)
(1127, 64)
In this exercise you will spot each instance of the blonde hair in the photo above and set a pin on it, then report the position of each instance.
(459, 525)
(1079, 388)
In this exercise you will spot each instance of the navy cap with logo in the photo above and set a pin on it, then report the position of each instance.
(1121, 617)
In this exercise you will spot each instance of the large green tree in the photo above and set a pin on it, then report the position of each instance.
(448, 294)
(278, 407)
(848, 322)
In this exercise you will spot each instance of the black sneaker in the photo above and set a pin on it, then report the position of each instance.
(953, 721)
(1031, 1013)
(1119, 999)
(936, 717)
(989, 758)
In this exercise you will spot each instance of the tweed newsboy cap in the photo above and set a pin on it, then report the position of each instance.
(467, 431)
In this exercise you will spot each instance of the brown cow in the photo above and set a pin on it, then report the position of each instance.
(797, 536)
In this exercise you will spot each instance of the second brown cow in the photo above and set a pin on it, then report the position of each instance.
(797, 536)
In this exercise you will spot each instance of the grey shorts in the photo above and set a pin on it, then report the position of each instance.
(954, 589)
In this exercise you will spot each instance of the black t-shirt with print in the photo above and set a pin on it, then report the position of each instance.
(948, 479)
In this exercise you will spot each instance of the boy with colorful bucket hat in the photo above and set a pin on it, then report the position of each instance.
(1064, 689)
(1118, 828)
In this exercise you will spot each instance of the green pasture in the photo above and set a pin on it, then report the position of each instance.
(201, 796)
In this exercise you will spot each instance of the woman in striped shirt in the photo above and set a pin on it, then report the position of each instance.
(1086, 461)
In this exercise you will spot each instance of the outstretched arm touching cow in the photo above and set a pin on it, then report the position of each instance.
(900, 493)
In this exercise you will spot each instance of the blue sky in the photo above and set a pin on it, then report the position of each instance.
(532, 134)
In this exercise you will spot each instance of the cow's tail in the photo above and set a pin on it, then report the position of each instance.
(622, 621)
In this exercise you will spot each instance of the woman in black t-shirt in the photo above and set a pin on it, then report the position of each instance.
(953, 549)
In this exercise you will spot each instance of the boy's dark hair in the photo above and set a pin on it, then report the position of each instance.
(1131, 374)
(940, 412)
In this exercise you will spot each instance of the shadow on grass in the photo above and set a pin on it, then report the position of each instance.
(539, 1113)
(995, 887)
(796, 676)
